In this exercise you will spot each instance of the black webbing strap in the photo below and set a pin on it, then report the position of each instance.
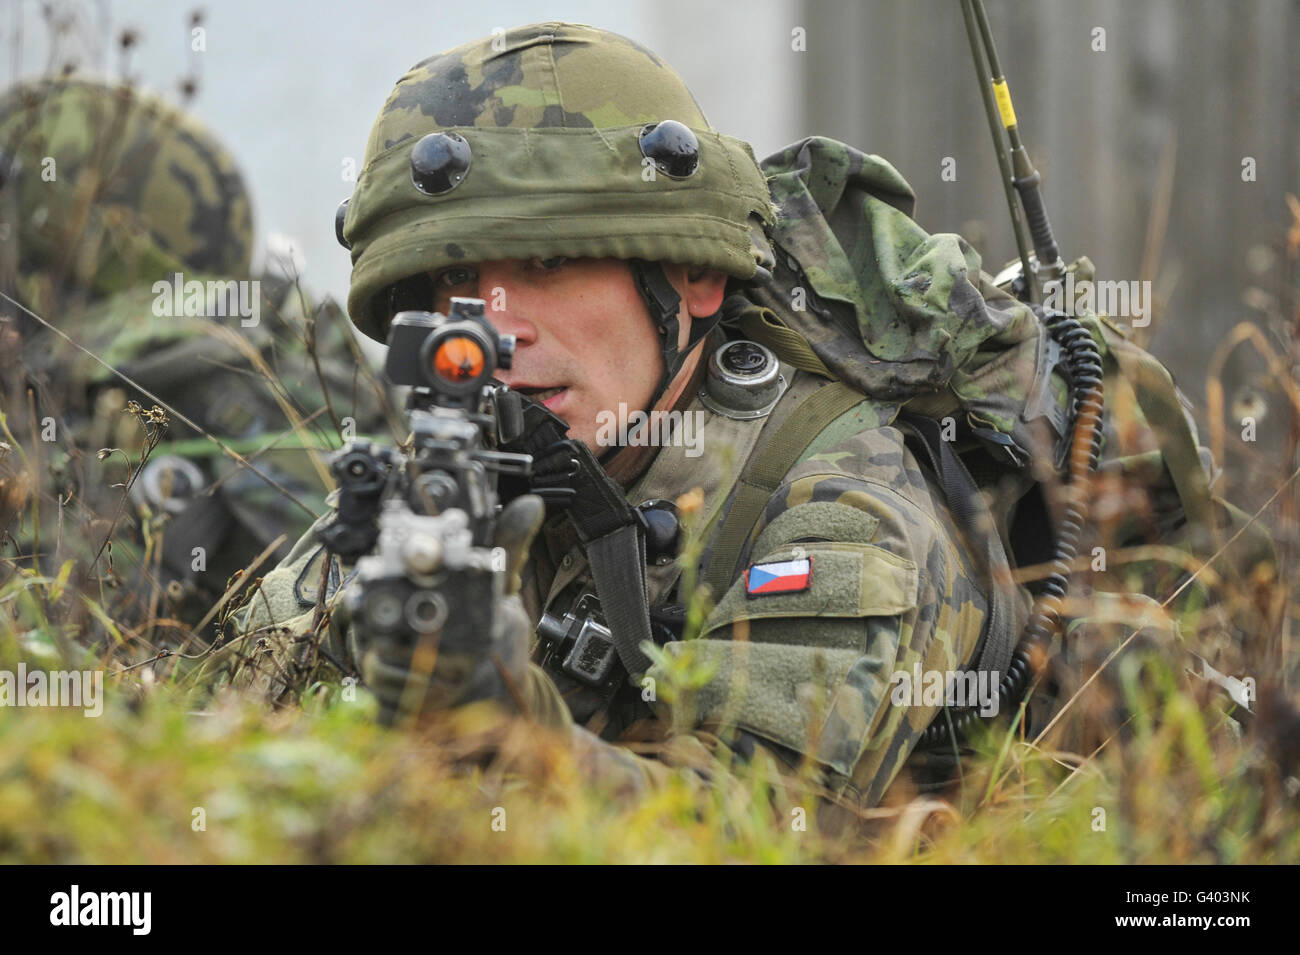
(618, 568)
(764, 472)
(613, 535)
(966, 505)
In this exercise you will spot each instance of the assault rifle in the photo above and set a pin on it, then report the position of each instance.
(418, 526)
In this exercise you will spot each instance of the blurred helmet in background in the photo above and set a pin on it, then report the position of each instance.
(106, 187)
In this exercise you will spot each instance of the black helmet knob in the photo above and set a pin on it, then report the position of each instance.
(439, 163)
(673, 148)
(339, 215)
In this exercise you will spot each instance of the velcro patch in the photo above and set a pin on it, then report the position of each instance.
(779, 577)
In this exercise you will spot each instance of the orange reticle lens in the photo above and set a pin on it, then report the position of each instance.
(458, 359)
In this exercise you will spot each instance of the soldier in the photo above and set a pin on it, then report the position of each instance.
(129, 228)
(776, 320)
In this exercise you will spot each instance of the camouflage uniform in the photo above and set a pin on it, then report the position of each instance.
(111, 200)
(893, 317)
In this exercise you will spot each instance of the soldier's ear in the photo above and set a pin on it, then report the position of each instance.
(701, 289)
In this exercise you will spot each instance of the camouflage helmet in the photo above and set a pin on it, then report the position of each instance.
(110, 187)
(552, 139)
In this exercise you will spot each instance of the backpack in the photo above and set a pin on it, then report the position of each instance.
(982, 385)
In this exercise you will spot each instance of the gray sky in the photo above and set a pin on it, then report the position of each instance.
(293, 88)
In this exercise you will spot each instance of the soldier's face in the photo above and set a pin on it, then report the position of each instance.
(584, 339)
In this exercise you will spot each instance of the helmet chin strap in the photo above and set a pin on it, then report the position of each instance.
(664, 303)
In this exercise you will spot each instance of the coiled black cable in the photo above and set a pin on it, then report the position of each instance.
(1087, 406)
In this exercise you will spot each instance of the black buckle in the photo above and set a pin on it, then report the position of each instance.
(580, 641)
(592, 658)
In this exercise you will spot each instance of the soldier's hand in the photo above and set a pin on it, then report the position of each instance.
(555, 459)
(450, 668)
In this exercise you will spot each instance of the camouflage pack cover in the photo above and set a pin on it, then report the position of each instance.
(112, 186)
(552, 113)
(887, 308)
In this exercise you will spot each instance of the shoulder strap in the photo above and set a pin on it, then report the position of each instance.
(763, 473)
(762, 325)
(613, 535)
(618, 569)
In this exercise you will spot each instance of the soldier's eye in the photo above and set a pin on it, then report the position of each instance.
(547, 265)
(454, 277)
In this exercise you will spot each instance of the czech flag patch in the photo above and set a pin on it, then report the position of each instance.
(779, 577)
